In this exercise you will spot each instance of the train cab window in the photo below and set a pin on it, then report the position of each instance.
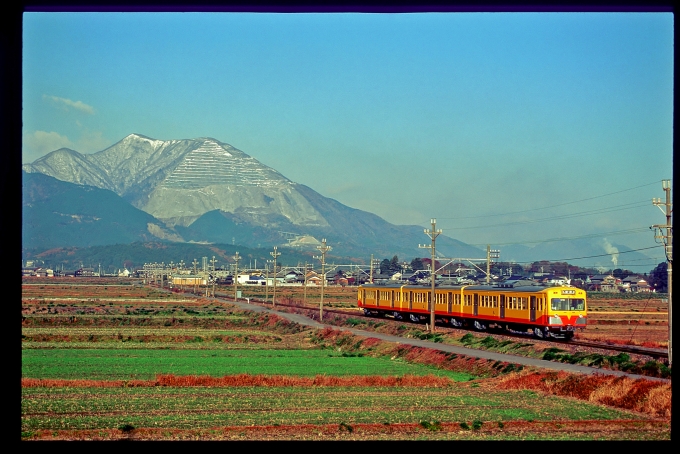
(567, 304)
(577, 304)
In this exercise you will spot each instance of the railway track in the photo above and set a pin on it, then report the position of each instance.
(655, 353)
(651, 352)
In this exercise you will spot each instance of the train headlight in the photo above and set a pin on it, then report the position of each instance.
(555, 320)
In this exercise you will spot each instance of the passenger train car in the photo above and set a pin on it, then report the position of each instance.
(545, 311)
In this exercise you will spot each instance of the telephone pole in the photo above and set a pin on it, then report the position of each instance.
(236, 259)
(667, 241)
(433, 234)
(274, 254)
(323, 248)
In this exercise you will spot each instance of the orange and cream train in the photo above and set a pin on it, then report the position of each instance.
(545, 311)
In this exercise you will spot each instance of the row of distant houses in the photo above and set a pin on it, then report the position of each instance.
(610, 283)
(598, 282)
(80, 272)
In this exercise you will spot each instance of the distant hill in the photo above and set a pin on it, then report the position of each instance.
(581, 252)
(56, 214)
(203, 190)
(134, 255)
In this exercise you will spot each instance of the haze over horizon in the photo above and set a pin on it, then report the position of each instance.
(506, 127)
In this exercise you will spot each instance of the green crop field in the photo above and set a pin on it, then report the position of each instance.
(202, 369)
(109, 364)
(195, 408)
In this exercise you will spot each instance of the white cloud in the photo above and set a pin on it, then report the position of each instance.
(39, 143)
(67, 103)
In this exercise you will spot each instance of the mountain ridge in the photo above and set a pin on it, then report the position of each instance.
(198, 190)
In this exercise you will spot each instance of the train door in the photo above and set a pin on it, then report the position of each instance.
(475, 303)
(532, 309)
(449, 306)
(502, 306)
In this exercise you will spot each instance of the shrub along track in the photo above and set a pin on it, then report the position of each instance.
(642, 361)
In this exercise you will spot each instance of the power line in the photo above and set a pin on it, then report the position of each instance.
(626, 206)
(554, 206)
(554, 240)
(593, 256)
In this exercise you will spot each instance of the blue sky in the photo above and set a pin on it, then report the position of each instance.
(496, 124)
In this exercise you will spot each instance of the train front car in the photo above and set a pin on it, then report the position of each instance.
(566, 312)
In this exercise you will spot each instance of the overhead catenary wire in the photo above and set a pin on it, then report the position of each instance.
(591, 256)
(570, 238)
(626, 206)
(553, 206)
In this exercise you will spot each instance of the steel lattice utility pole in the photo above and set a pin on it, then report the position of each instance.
(204, 273)
(274, 254)
(433, 234)
(195, 262)
(236, 259)
(214, 277)
(306, 272)
(490, 254)
(323, 248)
(667, 240)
